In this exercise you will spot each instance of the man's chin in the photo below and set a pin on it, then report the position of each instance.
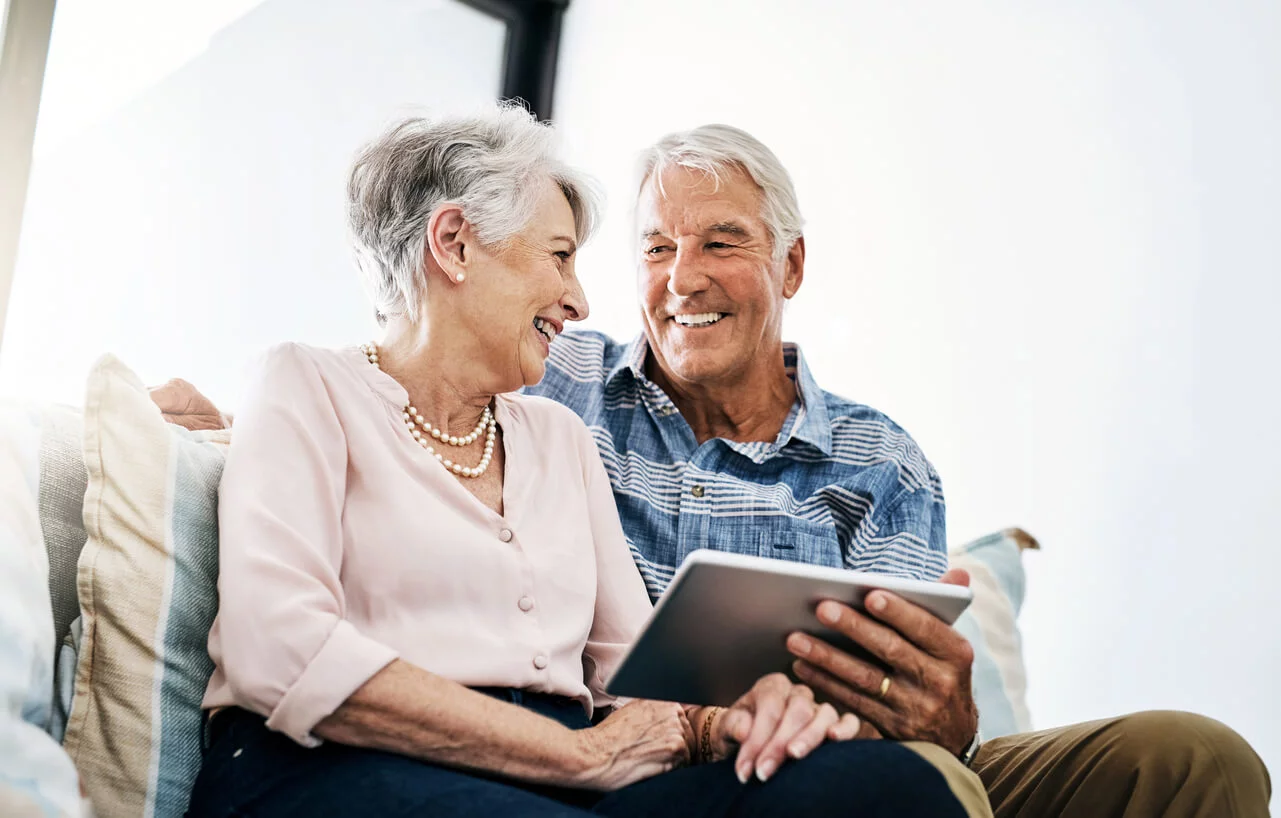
(697, 366)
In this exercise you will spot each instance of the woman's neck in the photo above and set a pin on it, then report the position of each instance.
(434, 370)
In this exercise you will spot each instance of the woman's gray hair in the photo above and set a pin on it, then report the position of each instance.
(714, 149)
(489, 163)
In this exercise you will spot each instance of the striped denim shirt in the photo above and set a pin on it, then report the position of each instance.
(842, 485)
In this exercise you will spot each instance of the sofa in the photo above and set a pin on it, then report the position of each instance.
(108, 571)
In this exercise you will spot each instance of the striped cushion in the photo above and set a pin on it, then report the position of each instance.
(147, 586)
(995, 566)
(36, 777)
(62, 495)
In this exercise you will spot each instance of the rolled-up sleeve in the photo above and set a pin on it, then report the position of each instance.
(622, 603)
(281, 639)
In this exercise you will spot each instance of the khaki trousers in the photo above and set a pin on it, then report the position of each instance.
(1176, 765)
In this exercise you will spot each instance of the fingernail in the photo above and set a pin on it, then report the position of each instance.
(877, 602)
(796, 750)
(801, 669)
(743, 771)
(765, 770)
(828, 613)
(799, 644)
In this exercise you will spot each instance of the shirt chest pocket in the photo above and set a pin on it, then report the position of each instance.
(801, 541)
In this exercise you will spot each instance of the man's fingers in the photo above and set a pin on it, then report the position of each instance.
(956, 576)
(882, 717)
(182, 403)
(798, 714)
(854, 672)
(177, 397)
(922, 628)
(903, 641)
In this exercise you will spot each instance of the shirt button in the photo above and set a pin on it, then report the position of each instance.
(540, 661)
(505, 535)
(526, 604)
(697, 491)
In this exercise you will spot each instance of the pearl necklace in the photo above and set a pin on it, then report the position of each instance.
(421, 430)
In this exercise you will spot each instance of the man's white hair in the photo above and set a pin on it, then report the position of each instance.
(715, 149)
(490, 163)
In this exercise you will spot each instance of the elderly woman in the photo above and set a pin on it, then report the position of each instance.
(424, 582)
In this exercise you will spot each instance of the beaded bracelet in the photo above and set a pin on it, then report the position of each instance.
(705, 746)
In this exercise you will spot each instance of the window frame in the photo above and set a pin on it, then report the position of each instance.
(532, 48)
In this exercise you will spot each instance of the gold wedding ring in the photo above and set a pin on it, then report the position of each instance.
(885, 687)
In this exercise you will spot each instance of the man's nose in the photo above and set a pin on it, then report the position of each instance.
(687, 275)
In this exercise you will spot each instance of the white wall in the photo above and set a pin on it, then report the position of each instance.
(1046, 238)
(187, 195)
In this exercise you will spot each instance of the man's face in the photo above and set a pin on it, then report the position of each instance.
(711, 294)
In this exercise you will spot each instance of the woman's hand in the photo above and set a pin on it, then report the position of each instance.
(772, 722)
(636, 741)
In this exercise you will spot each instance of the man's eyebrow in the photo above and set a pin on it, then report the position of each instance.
(732, 228)
(728, 228)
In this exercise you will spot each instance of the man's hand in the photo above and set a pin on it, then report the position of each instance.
(182, 404)
(928, 698)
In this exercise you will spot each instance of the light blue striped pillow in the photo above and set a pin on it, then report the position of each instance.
(995, 565)
(147, 583)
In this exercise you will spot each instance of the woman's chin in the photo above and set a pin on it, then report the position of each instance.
(532, 372)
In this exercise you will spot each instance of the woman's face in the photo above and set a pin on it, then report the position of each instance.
(521, 294)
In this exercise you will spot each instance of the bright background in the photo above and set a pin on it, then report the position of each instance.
(1044, 237)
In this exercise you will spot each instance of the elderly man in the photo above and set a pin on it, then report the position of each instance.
(715, 435)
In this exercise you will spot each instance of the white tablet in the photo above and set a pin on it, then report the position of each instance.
(724, 621)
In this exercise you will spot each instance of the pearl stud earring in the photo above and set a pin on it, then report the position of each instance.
(459, 278)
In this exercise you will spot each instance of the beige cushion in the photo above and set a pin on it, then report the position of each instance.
(147, 587)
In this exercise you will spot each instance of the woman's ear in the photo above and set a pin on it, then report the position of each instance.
(448, 235)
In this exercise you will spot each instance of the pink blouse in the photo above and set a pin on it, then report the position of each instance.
(345, 545)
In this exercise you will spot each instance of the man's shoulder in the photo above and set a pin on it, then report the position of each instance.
(863, 435)
(846, 415)
(578, 367)
(586, 353)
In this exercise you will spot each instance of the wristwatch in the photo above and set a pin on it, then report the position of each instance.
(968, 754)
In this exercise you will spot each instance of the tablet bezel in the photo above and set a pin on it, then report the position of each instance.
(724, 620)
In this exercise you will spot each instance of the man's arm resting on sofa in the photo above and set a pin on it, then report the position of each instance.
(182, 404)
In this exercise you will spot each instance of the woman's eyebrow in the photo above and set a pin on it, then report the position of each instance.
(573, 245)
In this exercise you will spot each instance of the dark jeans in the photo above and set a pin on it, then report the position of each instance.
(249, 770)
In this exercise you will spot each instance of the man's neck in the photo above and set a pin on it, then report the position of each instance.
(753, 407)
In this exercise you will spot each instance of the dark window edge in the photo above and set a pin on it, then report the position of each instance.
(533, 45)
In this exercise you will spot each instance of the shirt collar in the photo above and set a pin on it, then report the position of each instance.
(632, 360)
(813, 425)
(809, 422)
